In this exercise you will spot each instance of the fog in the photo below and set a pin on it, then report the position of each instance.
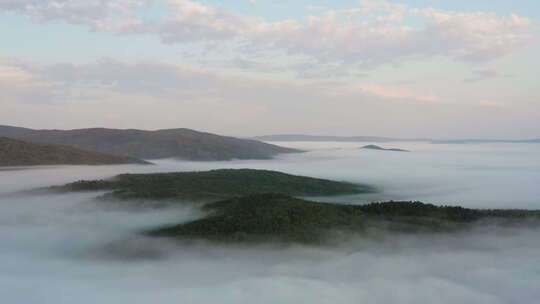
(70, 248)
(471, 175)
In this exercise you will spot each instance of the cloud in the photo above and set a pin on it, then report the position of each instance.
(69, 246)
(492, 104)
(479, 75)
(149, 94)
(370, 35)
(259, 66)
(485, 74)
(399, 93)
(315, 8)
(148, 78)
(19, 85)
(164, 80)
(97, 14)
(476, 36)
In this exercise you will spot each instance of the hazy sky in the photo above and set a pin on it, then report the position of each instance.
(407, 68)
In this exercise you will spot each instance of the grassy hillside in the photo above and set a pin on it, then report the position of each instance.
(214, 185)
(276, 217)
(173, 143)
(20, 153)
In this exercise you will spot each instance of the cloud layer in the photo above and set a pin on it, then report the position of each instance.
(150, 94)
(58, 249)
(373, 34)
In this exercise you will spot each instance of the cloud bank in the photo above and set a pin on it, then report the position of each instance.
(58, 249)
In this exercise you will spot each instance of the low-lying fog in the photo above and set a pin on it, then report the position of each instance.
(71, 249)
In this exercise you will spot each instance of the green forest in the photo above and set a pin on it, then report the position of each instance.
(246, 205)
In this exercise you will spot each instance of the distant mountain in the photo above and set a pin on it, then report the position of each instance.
(15, 152)
(375, 147)
(487, 141)
(315, 138)
(173, 143)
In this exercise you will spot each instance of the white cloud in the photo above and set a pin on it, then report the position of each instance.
(19, 85)
(476, 36)
(148, 78)
(372, 34)
(491, 104)
(172, 81)
(315, 8)
(483, 74)
(399, 93)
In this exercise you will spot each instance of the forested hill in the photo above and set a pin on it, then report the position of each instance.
(172, 143)
(276, 217)
(245, 205)
(15, 152)
(214, 185)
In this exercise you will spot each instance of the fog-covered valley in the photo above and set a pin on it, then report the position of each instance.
(70, 248)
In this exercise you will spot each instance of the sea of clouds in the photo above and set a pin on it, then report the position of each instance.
(70, 248)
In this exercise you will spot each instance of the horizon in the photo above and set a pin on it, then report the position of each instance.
(404, 69)
(290, 134)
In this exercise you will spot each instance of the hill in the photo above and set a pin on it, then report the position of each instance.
(15, 152)
(172, 143)
(375, 147)
(213, 185)
(248, 205)
(281, 218)
(317, 138)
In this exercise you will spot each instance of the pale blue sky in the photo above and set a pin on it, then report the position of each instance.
(398, 68)
(277, 10)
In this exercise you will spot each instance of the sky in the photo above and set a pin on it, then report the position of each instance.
(406, 68)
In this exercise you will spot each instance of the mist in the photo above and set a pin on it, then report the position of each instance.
(470, 175)
(70, 248)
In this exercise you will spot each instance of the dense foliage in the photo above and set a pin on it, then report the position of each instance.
(258, 205)
(275, 217)
(215, 185)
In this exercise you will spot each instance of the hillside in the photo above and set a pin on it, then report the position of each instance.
(246, 205)
(15, 152)
(281, 218)
(214, 185)
(173, 143)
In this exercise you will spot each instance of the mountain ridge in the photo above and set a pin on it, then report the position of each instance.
(379, 139)
(180, 143)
